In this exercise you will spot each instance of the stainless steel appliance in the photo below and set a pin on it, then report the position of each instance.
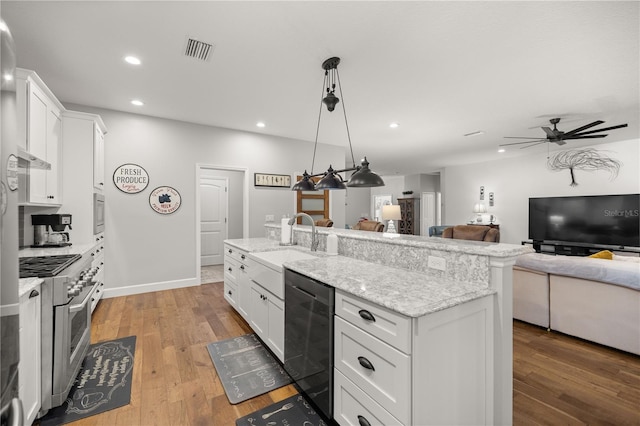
(66, 319)
(11, 412)
(98, 213)
(308, 338)
(49, 230)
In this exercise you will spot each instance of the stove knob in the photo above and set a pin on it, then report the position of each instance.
(83, 282)
(73, 292)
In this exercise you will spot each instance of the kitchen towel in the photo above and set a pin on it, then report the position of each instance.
(246, 368)
(285, 231)
(103, 383)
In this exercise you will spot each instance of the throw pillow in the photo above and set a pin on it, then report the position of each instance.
(604, 254)
(634, 259)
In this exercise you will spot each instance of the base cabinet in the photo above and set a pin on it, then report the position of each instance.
(29, 388)
(267, 318)
(237, 284)
(395, 370)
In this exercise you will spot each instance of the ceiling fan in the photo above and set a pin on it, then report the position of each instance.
(559, 137)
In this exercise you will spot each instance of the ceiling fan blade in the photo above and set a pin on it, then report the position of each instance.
(520, 143)
(619, 126)
(585, 127)
(518, 137)
(534, 144)
(549, 132)
(585, 137)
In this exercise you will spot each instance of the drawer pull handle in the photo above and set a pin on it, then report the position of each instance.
(34, 293)
(242, 257)
(242, 267)
(367, 315)
(229, 269)
(230, 251)
(363, 422)
(366, 363)
(229, 293)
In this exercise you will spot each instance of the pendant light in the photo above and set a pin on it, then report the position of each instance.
(331, 179)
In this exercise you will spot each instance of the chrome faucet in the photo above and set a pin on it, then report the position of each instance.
(314, 233)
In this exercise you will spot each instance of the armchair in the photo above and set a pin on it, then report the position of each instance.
(472, 232)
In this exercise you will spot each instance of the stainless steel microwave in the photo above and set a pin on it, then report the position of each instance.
(98, 213)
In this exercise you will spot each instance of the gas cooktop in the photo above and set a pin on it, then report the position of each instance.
(46, 266)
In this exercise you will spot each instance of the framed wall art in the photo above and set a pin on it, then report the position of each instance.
(265, 179)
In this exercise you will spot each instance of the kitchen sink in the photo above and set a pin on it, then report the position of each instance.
(275, 259)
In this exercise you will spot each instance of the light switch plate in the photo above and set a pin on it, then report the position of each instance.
(435, 262)
(269, 218)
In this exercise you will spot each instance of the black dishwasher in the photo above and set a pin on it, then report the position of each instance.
(308, 338)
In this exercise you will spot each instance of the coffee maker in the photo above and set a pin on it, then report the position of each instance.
(49, 230)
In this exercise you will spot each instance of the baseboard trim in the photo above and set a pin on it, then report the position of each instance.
(150, 287)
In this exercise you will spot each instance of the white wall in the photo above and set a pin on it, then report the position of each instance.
(146, 251)
(514, 180)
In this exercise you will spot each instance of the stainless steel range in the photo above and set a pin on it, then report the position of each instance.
(66, 319)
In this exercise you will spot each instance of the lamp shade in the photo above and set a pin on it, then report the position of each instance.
(331, 180)
(479, 208)
(391, 212)
(304, 184)
(364, 177)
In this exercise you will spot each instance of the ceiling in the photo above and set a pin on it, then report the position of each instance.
(441, 69)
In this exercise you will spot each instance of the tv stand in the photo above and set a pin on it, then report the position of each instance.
(575, 249)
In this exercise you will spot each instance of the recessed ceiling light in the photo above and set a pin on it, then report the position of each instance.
(132, 60)
(501, 150)
(394, 125)
(137, 102)
(260, 124)
(478, 133)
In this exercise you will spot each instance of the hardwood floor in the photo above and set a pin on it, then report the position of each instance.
(557, 379)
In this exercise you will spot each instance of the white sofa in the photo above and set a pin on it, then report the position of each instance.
(594, 299)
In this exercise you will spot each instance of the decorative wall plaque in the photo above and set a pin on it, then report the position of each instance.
(165, 200)
(264, 179)
(130, 178)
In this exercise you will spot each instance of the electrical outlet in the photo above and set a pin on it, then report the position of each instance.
(269, 218)
(435, 262)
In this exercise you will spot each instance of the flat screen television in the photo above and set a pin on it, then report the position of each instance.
(610, 220)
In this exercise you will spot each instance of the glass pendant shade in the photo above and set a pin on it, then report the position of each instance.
(364, 177)
(331, 180)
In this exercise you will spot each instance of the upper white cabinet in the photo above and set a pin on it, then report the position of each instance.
(83, 133)
(40, 135)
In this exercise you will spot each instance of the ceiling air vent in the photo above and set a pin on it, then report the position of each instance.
(198, 49)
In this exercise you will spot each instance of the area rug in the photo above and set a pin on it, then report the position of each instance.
(103, 382)
(246, 368)
(294, 410)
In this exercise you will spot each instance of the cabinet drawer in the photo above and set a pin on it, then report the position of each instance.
(234, 253)
(391, 327)
(230, 292)
(268, 278)
(231, 268)
(381, 371)
(352, 407)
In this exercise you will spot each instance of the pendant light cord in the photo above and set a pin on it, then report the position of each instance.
(315, 145)
(346, 123)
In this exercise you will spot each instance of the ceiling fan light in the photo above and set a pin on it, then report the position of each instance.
(364, 177)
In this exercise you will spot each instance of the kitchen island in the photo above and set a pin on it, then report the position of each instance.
(455, 299)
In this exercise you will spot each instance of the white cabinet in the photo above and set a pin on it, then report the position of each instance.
(237, 284)
(267, 318)
(97, 270)
(39, 134)
(29, 388)
(98, 157)
(79, 131)
(395, 370)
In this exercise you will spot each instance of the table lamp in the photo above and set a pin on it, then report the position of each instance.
(391, 212)
(479, 208)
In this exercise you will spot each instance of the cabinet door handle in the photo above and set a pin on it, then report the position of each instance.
(230, 251)
(242, 267)
(242, 257)
(34, 293)
(229, 293)
(366, 363)
(367, 315)
(229, 269)
(363, 422)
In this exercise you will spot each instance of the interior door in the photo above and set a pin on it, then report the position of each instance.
(213, 219)
(428, 212)
(313, 203)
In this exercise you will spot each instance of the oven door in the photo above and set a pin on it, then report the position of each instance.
(71, 339)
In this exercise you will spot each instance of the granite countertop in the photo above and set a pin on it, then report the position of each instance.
(410, 293)
(25, 285)
(54, 251)
(413, 294)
